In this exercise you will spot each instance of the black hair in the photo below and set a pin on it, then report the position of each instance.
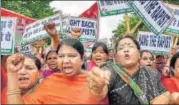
(173, 60)
(36, 60)
(130, 37)
(51, 51)
(147, 51)
(159, 56)
(110, 49)
(97, 44)
(74, 43)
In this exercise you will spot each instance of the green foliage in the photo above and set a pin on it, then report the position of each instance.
(121, 29)
(176, 2)
(32, 8)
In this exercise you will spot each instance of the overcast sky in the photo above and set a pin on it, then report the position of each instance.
(75, 8)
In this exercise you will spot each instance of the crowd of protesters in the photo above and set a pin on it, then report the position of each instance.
(121, 75)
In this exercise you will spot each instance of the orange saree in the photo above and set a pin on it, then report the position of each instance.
(58, 89)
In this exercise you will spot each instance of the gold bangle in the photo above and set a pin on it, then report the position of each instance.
(12, 92)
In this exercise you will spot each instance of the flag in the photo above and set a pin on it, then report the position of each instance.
(92, 12)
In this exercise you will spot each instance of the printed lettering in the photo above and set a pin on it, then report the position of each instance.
(8, 36)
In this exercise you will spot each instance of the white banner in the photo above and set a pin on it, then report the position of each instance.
(154, 14)
(157, 44)
(8, 27)
(36, 31)
(174, 26)
(87, 26)
(108, 8)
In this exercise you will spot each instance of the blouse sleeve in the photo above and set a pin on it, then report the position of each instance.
(169, 85)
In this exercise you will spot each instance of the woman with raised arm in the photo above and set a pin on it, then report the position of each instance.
(126, 82)
(68, 87)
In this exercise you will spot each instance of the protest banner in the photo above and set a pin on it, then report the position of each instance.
(36, 30)
(157, 44)
(173, 28)
(22, 21)
(87, 26)
(8, 26)
(154, 14)
(108, 8)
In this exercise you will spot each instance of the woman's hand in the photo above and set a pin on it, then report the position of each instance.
(164, 98)
(75, 34)
(98, 79)
(14, 63)
(175, 97)
(51, 29)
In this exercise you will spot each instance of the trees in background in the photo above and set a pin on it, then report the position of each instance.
(36, 9)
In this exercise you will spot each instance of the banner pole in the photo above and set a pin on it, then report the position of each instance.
(126, 18)
(136, 26)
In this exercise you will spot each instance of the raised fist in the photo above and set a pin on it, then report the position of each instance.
(14, 63)
(75, 33)
(51, 29)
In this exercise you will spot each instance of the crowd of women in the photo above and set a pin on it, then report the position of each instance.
(124, 75)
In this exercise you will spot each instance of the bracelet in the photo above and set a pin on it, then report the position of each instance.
(12, 92)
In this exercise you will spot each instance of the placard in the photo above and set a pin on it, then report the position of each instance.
(36, 30)
(108, 8)
(8, 27)
(154, 14)
(157, 44)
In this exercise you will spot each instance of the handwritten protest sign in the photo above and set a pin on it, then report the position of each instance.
(108, 8)
(154, 14)
(157, 44)
(8, 27)
(36, 30)
(174, 26)
(87, 26)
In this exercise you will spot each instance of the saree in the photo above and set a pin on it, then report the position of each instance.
(59, 89)
(120, 92)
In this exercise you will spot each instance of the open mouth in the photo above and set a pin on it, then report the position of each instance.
(23, 79)
(98, 60)
(127, 56)
(68, 69)
(149, 65)
(52, 64)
